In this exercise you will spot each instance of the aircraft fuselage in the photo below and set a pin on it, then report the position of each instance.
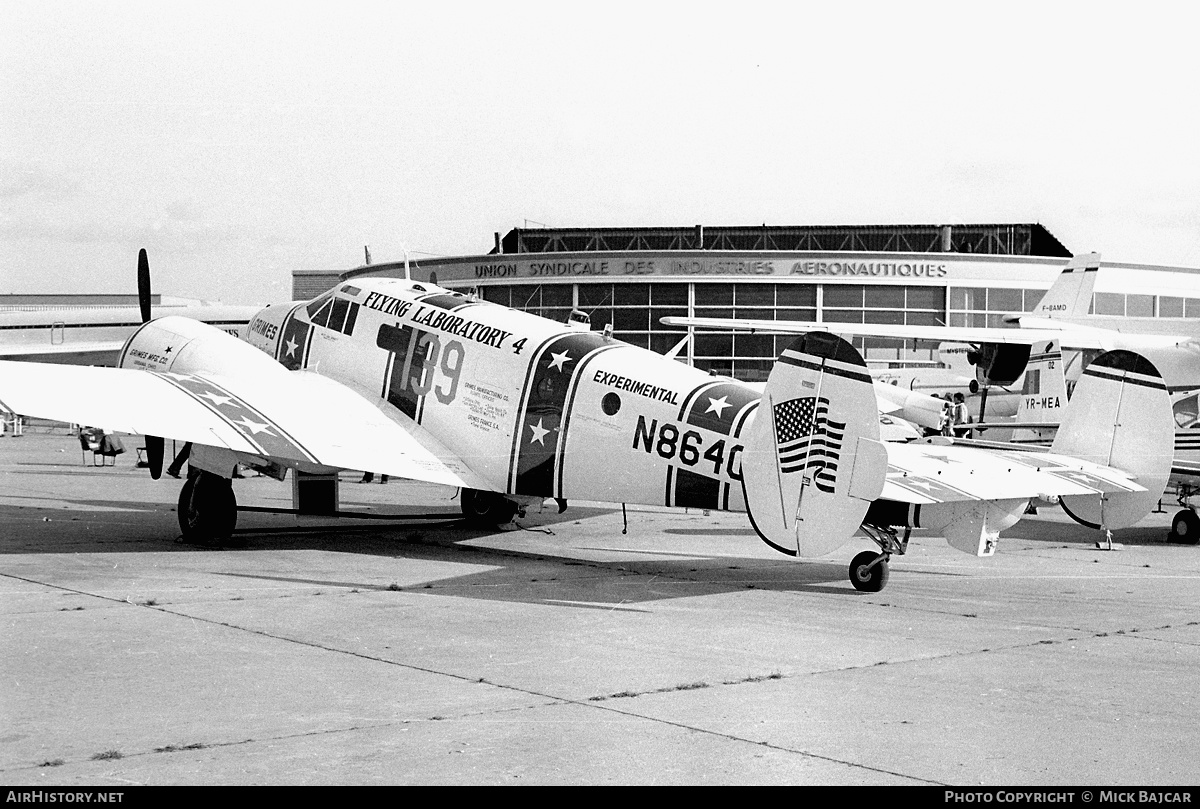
(536, 407)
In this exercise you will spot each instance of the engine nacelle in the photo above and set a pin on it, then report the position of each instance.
(182, 345)
(999, 363)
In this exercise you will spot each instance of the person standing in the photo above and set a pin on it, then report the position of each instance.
(961, 417)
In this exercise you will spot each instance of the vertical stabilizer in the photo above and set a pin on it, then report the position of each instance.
(1071, 294)
(813, 462)
(1120, 416)
(1043, 395)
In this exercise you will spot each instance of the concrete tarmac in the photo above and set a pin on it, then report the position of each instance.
(565, 651)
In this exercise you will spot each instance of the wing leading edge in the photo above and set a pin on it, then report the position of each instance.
(299, 419)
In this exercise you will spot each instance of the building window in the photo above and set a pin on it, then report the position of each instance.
(887, 305)
(981, 307)
(748, 357)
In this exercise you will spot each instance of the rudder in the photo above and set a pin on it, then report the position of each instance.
(1071, 293)
(813, 462)
(1120, 416)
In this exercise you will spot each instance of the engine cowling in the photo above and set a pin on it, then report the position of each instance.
(999, 363)
(182, 345)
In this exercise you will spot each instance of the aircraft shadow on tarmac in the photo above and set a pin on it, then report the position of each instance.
(636, 576)
(545, 578)
(1059, 530)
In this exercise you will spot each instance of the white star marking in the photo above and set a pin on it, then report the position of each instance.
(216, 398)
(539, 433)
(717, 405)
(255, 427)
(292, 345)
(560, 360)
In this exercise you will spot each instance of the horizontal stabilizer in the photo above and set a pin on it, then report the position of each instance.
(944, 470)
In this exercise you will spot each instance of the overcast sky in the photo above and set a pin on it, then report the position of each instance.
(240, 141)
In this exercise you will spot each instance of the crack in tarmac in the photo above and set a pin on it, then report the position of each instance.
(549, 700)
(552, 699)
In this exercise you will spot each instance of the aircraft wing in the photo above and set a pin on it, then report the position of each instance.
(20, 350)
(79, 353)
(297, 418)
(1072, 337)
(924, 473)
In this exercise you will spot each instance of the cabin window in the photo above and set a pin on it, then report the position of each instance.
(1139, 305)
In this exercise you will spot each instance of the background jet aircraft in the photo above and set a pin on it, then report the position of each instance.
(95, 336)
(1001, 354)
(411, 380)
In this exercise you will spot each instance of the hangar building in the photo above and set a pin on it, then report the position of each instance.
(966, 275)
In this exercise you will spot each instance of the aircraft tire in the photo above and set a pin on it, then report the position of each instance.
(207, 509)
(868, 581)
(1185, 528)
(486, 508)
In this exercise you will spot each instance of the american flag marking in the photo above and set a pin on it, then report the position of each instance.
(807, 439)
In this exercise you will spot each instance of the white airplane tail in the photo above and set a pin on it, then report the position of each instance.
(813, 462)
(1120, 416)
(1071, 294)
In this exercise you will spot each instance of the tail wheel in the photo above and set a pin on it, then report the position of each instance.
(1185, 527)
(486, 508)
(866, 577)
(207, 509)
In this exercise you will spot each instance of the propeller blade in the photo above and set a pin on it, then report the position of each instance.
(154, 455)
(143, 281)
(154, 444)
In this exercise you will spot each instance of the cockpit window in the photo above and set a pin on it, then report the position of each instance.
(337, 314)
(334, 313)
(351, 316)
(321, 318)
(316, 305)
(1187, 411)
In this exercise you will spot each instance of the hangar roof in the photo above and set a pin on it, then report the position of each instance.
(1011, 240)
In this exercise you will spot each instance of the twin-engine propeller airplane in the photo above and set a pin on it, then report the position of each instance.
(415, 381)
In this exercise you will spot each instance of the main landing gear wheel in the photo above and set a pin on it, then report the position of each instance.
(207, 509)
(488, 509)
(868, 577)
(1185, 527)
